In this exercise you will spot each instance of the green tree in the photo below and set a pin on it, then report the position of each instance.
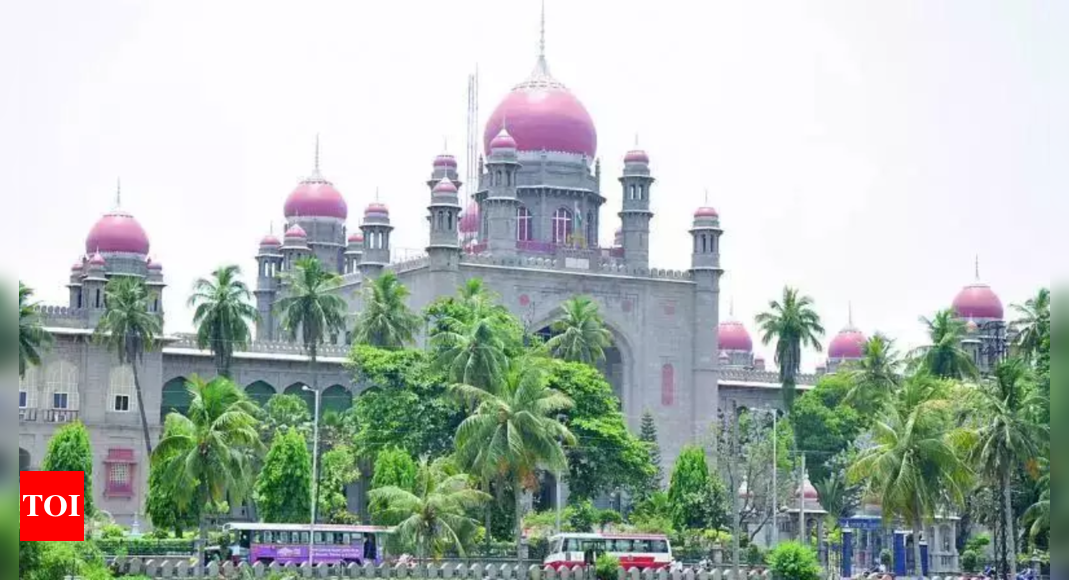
(1037, 517)
(580, 334)
(223, 313)
(794, 561)
(394, 467)
(471, 336)
(312, 308)
(406, 404)
(386, 321)
(608, 456)
(876, 376)
(163, 506)
(1032, 324)
(793, 324)
(1008, 437)
(209, 450)
(283, 412)
(338, 471)
(514, 432)
(698, 500)
(129, 330)
(432, 515)
(284, 484)
(824, 424)
(915, 463)
(945, 357)
(839, 499)
(32, 336)
(747, 467)
(648, 435)
(70, 450)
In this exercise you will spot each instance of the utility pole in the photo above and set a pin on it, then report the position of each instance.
(735, 453)
(775, 477)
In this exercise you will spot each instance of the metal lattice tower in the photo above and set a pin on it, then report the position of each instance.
(471, 161)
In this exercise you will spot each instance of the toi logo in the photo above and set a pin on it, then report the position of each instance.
(52, 506)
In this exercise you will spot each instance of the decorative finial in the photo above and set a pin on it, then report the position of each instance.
(707, 196)
(731, 308)
(376, 193)
(636, 140)
(271, 228)
(445, 144)
(317, 153)
(850, 313)
(542, 35)
(118, 192)
(977, 267)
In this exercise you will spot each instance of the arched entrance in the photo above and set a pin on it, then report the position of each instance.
(337, 398)
(614, 367)
(176, 398)
(260, 392)
(24, 460)
(308, 397)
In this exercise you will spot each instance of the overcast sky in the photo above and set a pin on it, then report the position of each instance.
(863, 151)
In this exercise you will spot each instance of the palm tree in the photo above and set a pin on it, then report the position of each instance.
(876, 376)
(208, 452)
(1037, 517)
(837, 498)
(469, 337)
(793, 324)
(515, 432)
(1008, 437)
(129, 330)
(312, 308)
(32, 337)
(224, 314)
(915, 463)
(1032, 323)
(945, 357)
(580, 333)
(386, 321)
(434, 515)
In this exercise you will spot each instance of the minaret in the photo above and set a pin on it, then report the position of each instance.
(635, 214)
(155, 284)
(93, 288)
(294, 247)
(500, 202)
(376, 228)
(706, 272)
(443, 251)
(75, 284)
(269, 265)
(354, 252)
(445, 165)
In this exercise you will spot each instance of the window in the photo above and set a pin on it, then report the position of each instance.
(668, 385)
(23, 396)
(631, 191)
(28, 388)
(449, 220)
(121, 389)
(62, 385)
(562, 226)
(98, 298)
(122, 403)
(120, 473)
(523, 224)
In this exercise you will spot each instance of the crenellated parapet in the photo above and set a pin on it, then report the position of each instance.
(189, 341)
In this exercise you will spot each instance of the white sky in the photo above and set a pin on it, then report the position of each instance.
(863, 151)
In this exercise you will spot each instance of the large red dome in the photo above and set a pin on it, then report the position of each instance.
(316, 197)
(542, 114)
(978, 301)
(734, 336)
(848, 344)
(117, 231)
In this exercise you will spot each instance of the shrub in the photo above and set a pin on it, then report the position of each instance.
(112, 532)
(754, 555)
(794, 561)
(607, 567)
(970, 561)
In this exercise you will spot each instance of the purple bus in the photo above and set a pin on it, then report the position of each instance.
(288, 543)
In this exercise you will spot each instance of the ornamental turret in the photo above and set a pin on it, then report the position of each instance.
(354, 251)
(269, 261)
(635, 214)
(376, 228)
(498, 197)
(705, 271)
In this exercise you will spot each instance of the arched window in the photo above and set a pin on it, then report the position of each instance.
(62, 386)
(29, 386)
(449, 219)
(175, 398)
(24, 460)
(523, 224)
(704, 244)
(260, 392)
(97, 299)
(121, 389)
(668, 385)
(562, 226)
(631, 191)
(336, 398)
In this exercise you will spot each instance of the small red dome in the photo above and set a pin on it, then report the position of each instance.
(117, 231)
(503, 141)
(808, 491)
(636, 156)
(705, 212)
(445, 186)
(469, 220)
(445, 160)
(848, 344)
(154, 265)
(978, 301)
(356, 237)
(618, 238)
(97, 260)
(316, 197)
(376, 208)
(77, 266)
(734, 336)
(296, 231)
(270, 240)
(542, 114)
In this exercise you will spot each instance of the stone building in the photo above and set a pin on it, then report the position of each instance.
(530, 231)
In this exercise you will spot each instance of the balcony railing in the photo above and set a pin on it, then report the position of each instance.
(47, 415)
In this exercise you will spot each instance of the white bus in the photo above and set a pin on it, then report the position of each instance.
(642, 551)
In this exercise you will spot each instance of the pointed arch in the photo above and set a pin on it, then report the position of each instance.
(260, 392)
(29, 388)
(175, 398)
(337, 398)
(308, 397)
(24, 460)
(121, 390)
(61, 386)
(562, 225)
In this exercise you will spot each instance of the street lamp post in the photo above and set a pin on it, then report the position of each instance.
(318, 395)
(560, 474)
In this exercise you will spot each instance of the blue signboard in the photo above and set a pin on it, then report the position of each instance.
(848, 553)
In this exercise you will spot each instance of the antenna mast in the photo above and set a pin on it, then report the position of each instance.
(471, 161)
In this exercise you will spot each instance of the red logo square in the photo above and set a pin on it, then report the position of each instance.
(52, 506)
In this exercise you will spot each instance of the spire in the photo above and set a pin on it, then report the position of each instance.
(636, 140)
(850, 314)
(445, 144)
(376, 193)
(118, 192)
(706, 197)
(317, 154)
(731, 308)
(977, 267)
(542, 37)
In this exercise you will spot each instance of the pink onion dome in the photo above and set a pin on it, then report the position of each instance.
(977, 300)
(316, 197)
(734, 336)
(469, 220)
(636, 156)
(375, 207)
(503, 140)
(270, 240)
(445, 160)
(808, 491)
(153, 265)
(706, 212)
(543, 115)
(77, 266)
(296, 231)
(97, 260)
(445, 186)
(117, 232)
(848, 344)
(356, 237)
